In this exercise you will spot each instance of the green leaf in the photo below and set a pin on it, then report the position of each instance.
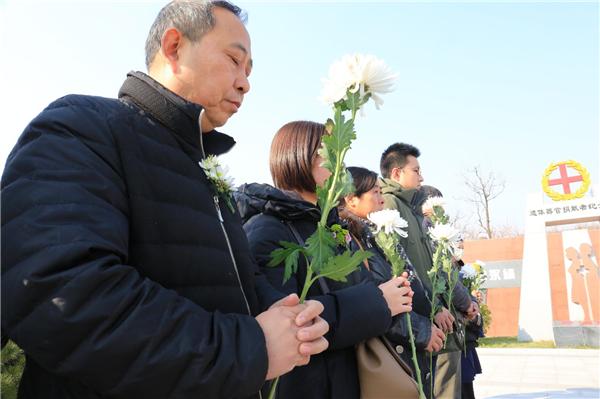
(440, 286)
(398, 266)
(13, 364)
(288, 254)
(329, 125)
(339, 267)
(319, 247)
(389, 244)
(345, 184)
(448, 265)
(321, 197)
(329, 158)
(341, 105)
(365, 98)
(353, 100)
(432, 274)
(277, 256)
(341, 136)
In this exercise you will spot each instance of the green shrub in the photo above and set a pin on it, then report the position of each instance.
(13, 363)
(487, 317)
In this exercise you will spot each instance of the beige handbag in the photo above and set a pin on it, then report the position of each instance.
(382, 373)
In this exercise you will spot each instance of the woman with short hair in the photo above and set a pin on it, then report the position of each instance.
(356, 310)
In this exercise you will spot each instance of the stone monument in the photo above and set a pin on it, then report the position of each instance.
(542, 315)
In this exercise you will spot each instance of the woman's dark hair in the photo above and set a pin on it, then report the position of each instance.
(364, 181)
(293, 153)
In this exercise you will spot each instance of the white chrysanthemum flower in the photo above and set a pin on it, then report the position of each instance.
(468, 271)
(217, 174)
(358, 72)
(444, 233)
(389, 220)
(435, 201)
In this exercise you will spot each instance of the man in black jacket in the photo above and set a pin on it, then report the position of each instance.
(123, 275)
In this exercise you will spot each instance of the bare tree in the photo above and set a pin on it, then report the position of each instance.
(506, 230)
(483, 188)
(461, 221)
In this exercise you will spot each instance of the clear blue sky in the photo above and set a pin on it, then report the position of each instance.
(511, 86)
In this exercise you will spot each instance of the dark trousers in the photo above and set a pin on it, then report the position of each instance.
(467, 390)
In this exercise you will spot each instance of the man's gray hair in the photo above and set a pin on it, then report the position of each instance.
(193, 18)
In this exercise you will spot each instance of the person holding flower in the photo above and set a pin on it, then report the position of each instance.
(401, 185)
(125, 273)
(400, 189)
(354, 211)
(357, 309)
(462, 306)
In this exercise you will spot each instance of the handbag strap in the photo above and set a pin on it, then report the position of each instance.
(366, 262)
(322, 283)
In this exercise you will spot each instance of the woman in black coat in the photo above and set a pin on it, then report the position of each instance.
(354, 209)
(356, 310)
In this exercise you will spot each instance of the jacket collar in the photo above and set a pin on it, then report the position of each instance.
(357, 226)
(256, 198)
(408, 195)
(173, 111)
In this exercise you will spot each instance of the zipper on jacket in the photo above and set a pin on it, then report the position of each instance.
(218, 208)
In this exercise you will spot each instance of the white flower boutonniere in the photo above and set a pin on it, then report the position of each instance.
(221, 184)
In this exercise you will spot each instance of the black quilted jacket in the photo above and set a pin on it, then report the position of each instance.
(118, 278)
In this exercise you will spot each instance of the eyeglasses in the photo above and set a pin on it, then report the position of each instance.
(416, 169)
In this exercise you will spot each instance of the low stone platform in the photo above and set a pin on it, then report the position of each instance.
(538, 373)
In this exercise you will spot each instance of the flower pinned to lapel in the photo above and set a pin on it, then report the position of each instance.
(221, 184)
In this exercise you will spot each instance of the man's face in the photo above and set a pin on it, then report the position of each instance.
(214, 71)
(410, 174)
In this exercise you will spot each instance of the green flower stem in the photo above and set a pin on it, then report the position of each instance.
(430, 373)
(434, 279)
(331, 194)
(307, 283)
(414, 356)
(272, 392)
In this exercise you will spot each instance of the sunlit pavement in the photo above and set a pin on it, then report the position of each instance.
(538, 373)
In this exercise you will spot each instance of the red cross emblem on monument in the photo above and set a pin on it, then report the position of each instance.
(565, 180)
